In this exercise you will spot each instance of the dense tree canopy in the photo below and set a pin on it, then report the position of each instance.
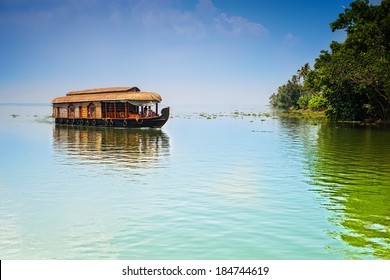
(352, 80)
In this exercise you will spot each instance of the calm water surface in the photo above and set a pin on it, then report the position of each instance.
(226, 186)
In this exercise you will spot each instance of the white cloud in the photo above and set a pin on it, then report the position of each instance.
(206, 8)
(290, 37)
(237, 25)
(164, 16)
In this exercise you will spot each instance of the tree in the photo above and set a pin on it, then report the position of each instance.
(303, 71)
(295, 79)
(287, 95)
(352, 79)
(293, 94)
(358, 72)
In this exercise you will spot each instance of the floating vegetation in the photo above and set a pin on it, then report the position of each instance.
(254, 115)
(234, 115)
(224, 115)
(262, 131)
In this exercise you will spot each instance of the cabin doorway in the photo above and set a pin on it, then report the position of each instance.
(91, 111)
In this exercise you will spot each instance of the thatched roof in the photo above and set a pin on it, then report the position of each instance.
(104, 90)
(108, 94)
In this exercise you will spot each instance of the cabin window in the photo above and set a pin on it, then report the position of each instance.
(132, 109)
(120, 110)
(71, 111)
(120, 107)
(110, 110)
(104, 109)
(91, 111)
(110, 107)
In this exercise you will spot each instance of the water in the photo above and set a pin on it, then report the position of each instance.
(227, 186)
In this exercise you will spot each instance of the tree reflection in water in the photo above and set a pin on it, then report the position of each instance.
(351, 172)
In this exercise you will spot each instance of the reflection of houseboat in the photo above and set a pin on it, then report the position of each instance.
(116, 106)
(123, 148)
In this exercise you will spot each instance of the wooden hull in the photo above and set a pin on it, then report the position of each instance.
(152, 122)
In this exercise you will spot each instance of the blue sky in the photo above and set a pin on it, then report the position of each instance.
(199, 52)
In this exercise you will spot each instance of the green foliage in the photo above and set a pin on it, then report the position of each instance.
(358, 71)
(287, 96)
(303, 101)
(352, 80)
(318, 102)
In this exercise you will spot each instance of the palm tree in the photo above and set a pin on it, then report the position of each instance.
(295, 79)
(302, 73)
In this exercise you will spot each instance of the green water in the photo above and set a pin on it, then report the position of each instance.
(226, 186)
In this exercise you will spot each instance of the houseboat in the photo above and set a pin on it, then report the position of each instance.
(114, 107)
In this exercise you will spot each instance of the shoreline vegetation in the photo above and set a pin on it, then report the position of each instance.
(302, 114)
(307, 114)
(351, 81)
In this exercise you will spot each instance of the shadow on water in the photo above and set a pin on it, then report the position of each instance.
(351, 173)
(111, 147)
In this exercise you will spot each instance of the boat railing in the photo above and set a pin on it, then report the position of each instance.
(123, 115)
(116, 115)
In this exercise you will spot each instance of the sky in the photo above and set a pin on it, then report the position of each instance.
(198, 53)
